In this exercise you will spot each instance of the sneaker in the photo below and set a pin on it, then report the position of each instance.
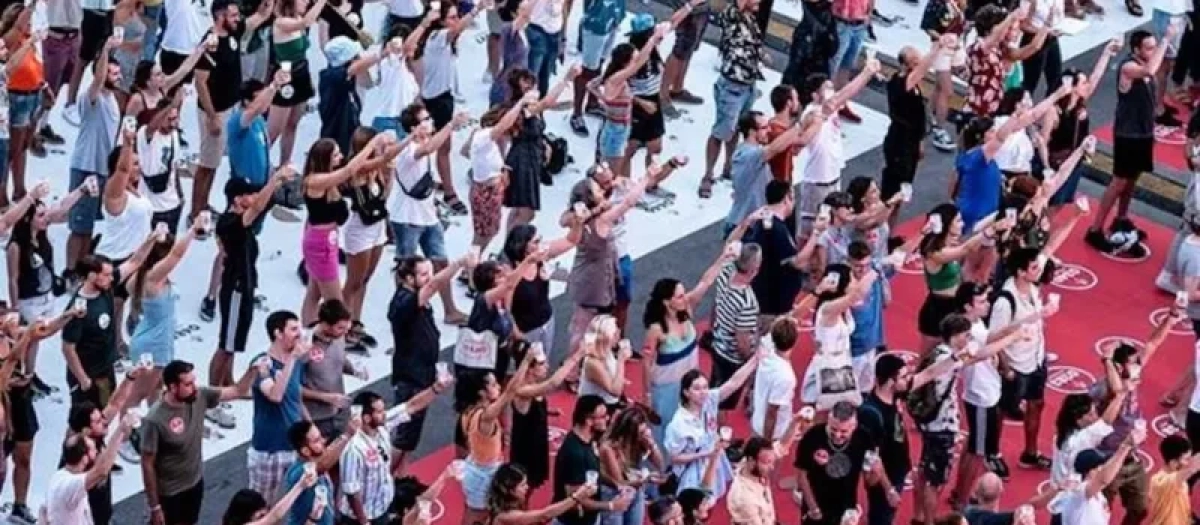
(48, 136)
(222, 416)
(1035, 461)
(670, 111)
(1096, 239)
(42, 386)
(579, 126)
(686, 97)
(71, 115)
(208, 309)
(128, 453)
(21, 515)
(849, 115)
(37, 148)
(942, 139)
(998, 466)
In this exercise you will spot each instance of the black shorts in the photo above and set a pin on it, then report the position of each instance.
(171, 217)
(407, 436)
(983, 427)
(170, 62)
(237, 314)
(440, 108)
(96, 27)
(937, 451)
(185, 506)
(901, 154)
(1025, 387)
(301, 86)
(688, 35)
(647, 127)
(933, 311)
(24, 417)
(722, 370)
(1132, 157)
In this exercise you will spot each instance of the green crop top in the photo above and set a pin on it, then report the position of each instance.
(948, 277)
(294, 50)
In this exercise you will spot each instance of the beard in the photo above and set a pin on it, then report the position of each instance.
(110, 85)
(189, 399)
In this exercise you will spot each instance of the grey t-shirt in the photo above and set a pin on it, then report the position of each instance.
(327, 365)
(1187, 265)
(99, 123)
(750, 176)
(174, 434)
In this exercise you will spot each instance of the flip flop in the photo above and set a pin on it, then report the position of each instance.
(705, 191)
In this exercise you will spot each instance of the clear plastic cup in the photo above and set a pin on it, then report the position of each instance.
(119, 33)
(286, 66)
(81, 303)
(456, 468)
(592, 477)
(1053, 299)
(356, 411)
(726, 433)
(906, 191)
(808, 413)
(443, 370)
(1181, 299)
(425, 508)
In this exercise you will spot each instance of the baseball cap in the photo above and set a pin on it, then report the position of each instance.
(342, 49)
(1089, 460)
(641, 22)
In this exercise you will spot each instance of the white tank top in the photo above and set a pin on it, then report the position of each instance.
(587, 387)
(822, 160)
(836, 338)
(125, 232)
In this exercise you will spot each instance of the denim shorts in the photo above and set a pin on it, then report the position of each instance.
(625, 285)
(382, 124)
(612, 140)
(850, 40)
(21, 107)
(430, 239)
(86, 210)
(596, 47)
(1160, 20)
(733, 99)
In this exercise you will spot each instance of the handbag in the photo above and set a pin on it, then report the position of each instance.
(422, 189)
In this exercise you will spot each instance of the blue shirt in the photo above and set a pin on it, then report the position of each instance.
(979, 185)
(272, 420)
(868, 320)
(248, 147)
(601, 17)
(302, 508)
(750, 173)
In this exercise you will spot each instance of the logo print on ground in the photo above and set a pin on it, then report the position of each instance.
(1146, 253)
(1164, 426)
(1111, 342)
(1074, 277)
(1069, 379)
(1181, 327)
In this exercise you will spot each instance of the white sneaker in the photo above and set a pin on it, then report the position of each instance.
(128, 453)
(71, 115)
(221, 416)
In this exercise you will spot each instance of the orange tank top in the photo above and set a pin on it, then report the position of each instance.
(484, 447)
(29, 74)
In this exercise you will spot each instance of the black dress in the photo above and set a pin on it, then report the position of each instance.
(531, 442)
(526, 158)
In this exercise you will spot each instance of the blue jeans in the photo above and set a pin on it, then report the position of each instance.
(850, 40)
(732, 100)
(381, 124)
(634, 515)
(543, 54)
(430, 239)
(151, 15)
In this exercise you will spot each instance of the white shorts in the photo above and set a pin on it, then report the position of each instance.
(35, 308)
(358, 237)
(948, 61)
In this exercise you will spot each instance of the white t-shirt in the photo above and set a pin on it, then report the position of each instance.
(1172, 7)
(1042, 12)
(981, 380)
(66, 498)
(189, 21)
(822, 160)
(97, 5)
(486, 159)
(156, 156)
(774, 384)
(1016, 152)
(394, 89)
(548, 15)
(440, 65)
(406, 8)
(1063, 463)
(1023, 356)
(409, 171)
(1078, 509)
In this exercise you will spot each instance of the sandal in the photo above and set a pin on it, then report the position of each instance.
(455, 205)
(1134, 7)
(706, 185)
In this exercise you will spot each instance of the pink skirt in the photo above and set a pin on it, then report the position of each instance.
(320, 248)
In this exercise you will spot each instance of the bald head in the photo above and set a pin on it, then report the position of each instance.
(909, 56)
(987, 488)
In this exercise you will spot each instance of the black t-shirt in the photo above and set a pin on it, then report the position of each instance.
(224, 68)
(979, 516)
(833, 472)
(906, 107)
(884, 423)
(415, 339)
(241, 252)
(95, 334)
(776, 284)
(575, 458)
(340, 23)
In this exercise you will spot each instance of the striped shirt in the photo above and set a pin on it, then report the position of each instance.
(736, 311)
(366, 473)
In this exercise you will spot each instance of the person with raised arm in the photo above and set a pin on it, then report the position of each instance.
(526, 156)
(316, 505)
(531, 412)
(248, 507)
(25, 79)
(750, 168)
(490, 175)
(277, 404)
(1084, 503)
(485, 343)
(509, 495)
(289, 46)
(84, 468)
(382, 107)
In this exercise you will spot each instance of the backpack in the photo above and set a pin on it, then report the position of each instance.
(559, 157)
(924, 402)
(1000, 294)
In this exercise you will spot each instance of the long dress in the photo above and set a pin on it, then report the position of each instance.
(531, 439)
(526, 157)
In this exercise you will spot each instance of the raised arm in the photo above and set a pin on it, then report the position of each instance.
(293, 24)
(100, 69)
(162, 269)
(284, 174)
(262, 102)
(696, 294)
(622, 76)
(843, 96)
(185, 69)
(943, 45)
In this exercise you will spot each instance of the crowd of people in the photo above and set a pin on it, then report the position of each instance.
(805, 242)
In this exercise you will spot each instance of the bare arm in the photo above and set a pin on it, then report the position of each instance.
(100, 70)
(292, 24)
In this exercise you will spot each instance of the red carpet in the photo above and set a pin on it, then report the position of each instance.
(1102, 300)
(1168, 145)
